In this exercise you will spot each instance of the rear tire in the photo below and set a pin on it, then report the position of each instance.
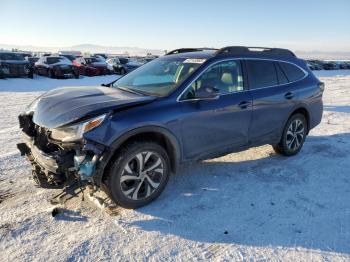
(31, 74)
(293, 136)
(138, 175)
(76, 75)
(50, 74)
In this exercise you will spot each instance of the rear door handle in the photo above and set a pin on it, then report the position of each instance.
(244, 104)
(289, 95)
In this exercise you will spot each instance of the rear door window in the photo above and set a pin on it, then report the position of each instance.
(261, 73)
(292, 72)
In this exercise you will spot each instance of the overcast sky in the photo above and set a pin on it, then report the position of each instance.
(299, 25)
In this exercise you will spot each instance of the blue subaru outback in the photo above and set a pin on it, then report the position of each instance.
(126, 137)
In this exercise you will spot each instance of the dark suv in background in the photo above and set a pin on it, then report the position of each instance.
(190, 104)
(56, 67)
(14, 65)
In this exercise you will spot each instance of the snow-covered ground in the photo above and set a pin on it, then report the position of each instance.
(253, 205)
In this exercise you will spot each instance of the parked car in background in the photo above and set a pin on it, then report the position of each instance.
(70, 57)
(329, 66)
(91, 66)
(14, 65)
(100, 58)
(56, 67)
(32, 60)
(149, 58)
(313, 65)
(343, 65)
(105, 56)
(128, 137)
(123, 65)
(25, 54)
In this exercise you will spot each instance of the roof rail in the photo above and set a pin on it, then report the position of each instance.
(238, 50)
(187, 50)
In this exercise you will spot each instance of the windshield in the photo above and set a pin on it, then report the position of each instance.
(159, 77)
(11, 56)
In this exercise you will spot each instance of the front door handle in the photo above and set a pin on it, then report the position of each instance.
(289, 95)
(244, 104)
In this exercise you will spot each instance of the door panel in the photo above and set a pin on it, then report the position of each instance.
(211, 127)
(270, 110)
(273, 100)
(216, 125)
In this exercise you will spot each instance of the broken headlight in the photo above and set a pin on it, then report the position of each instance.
(75, 132)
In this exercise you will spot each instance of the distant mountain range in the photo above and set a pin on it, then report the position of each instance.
(86, 48)
(90, 48)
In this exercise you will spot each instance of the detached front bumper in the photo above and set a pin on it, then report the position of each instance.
(46, 162)
(54, 163)
(48, 169)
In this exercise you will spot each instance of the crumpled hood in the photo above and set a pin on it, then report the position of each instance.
(65, 105)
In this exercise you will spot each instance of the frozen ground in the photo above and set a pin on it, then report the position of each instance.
(253, 205)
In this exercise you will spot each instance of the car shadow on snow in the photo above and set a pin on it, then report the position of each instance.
(300, 201)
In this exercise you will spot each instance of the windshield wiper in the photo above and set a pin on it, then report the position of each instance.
(132, 91)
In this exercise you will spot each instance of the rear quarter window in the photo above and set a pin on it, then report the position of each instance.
(282, 79)
(292, 72)
(261, 73)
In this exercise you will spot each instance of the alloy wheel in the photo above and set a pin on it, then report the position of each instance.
(295, 135)
(142, 175)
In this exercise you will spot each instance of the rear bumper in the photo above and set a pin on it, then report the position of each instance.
(14, 71)
(65, 73)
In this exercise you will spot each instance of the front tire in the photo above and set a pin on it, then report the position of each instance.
(139, 174)
(293, 136)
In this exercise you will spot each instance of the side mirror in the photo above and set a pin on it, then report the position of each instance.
(207, 93)
(106, 85)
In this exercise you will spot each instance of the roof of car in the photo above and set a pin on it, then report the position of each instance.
(203, 54)
(54, 56)
(234, 51)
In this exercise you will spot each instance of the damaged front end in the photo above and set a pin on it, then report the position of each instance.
(56, 163)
